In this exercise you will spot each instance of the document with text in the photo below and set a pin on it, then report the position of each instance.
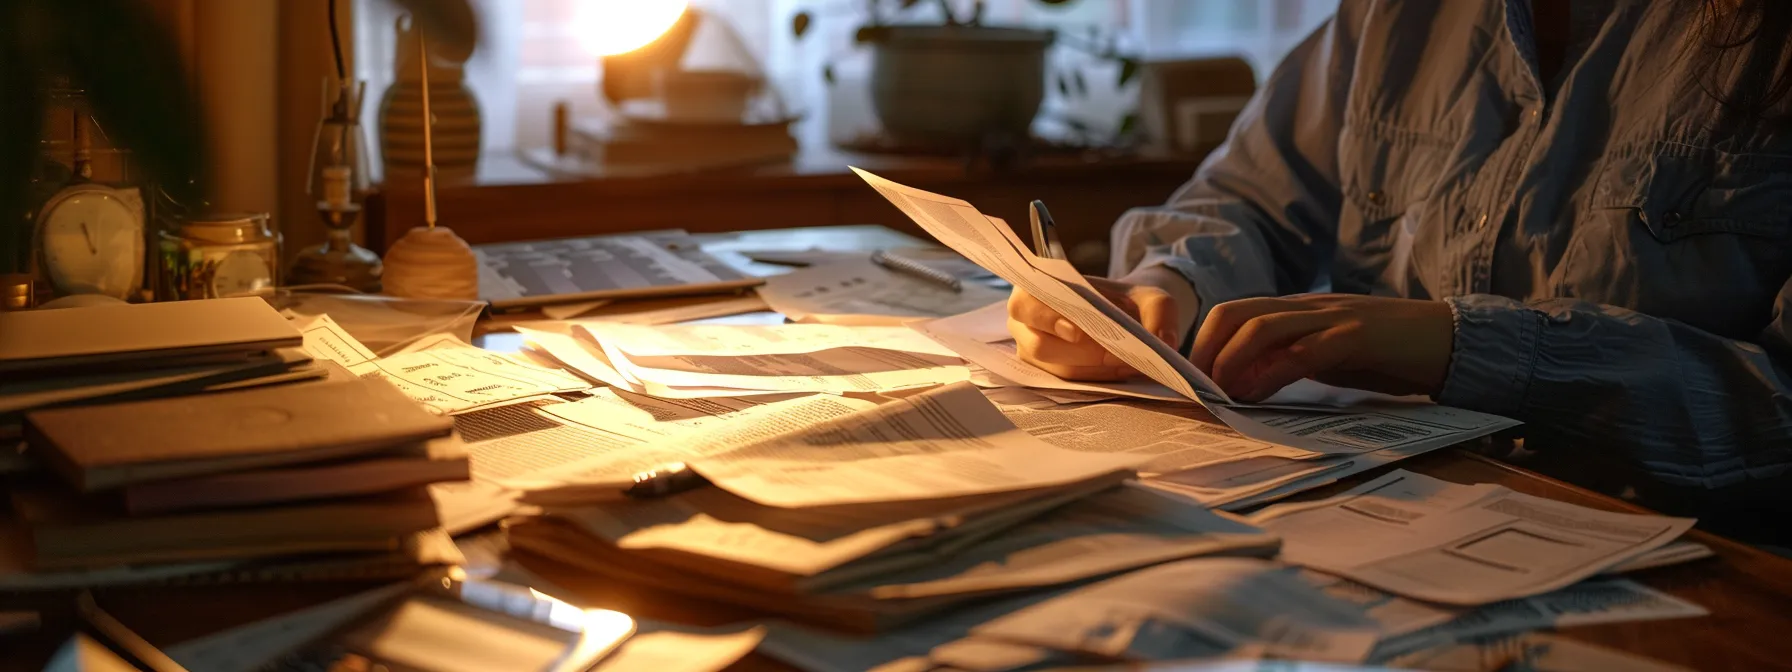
(1433, 540)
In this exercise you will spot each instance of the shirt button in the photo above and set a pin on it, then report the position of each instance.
(1481, 222)
(1374, 196)
(1536, 112)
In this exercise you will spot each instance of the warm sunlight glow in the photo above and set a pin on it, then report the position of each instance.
(610, 27)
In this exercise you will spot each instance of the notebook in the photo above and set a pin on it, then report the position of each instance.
(148, 335)
(435, 461)
(100, 447)
(655, 264)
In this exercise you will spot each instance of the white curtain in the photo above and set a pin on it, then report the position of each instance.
(530, 56)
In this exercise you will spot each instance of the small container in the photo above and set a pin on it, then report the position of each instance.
(219, 255)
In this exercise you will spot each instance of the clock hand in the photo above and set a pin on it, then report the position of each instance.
(91, 248)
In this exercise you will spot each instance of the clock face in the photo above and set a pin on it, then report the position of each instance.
(91, 242)
(241, 273)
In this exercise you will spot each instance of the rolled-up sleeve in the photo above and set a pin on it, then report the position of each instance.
(1690, 408)
(1261, 214)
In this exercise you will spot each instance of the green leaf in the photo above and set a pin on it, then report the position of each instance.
(827, 72)
(1129, 69)
(1128, 123)
(799, 24)
(1082, 85)
(1063, 85)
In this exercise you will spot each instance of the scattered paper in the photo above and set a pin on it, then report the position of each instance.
(1539, 652)
(1174, 437)
(860, 292)
(1590, 602)
(1007, 368)
(672, 311)
(448, 376)
(255, 645)
(784, 358)
(327, 340)
(1433, 540)
(1198, 608)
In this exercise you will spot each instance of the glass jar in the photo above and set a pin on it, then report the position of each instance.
(219, 255)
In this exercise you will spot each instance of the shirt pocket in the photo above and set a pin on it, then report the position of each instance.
(1389, 177)
(1679, 192)
(1688, 233)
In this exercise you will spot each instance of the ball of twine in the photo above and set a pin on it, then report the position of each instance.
(431, 263)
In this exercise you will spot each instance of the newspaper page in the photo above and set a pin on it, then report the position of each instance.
(1002, 361)
(1433, 540)
(1590, 602)
(1195, 609)
(577, 354)
(860, 292)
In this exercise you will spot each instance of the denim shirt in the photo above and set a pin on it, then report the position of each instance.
(1617, 268)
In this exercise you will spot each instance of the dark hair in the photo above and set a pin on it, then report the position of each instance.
(1745, 49)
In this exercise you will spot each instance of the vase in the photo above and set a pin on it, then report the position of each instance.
(957, 86)
(455, 144)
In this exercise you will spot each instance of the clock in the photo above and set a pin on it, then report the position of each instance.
(90, 239)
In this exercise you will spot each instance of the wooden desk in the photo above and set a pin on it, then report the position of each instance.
(1749, 593)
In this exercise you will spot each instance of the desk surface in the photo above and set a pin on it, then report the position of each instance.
(1748, 591)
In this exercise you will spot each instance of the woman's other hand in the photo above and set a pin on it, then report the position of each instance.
(1254, 347)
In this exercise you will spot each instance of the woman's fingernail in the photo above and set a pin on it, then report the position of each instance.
(1065, 330)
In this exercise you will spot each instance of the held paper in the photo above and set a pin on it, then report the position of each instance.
(993, 246)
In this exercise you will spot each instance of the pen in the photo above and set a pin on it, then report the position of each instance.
(661, 481)
(916, 269)
(1045, 231)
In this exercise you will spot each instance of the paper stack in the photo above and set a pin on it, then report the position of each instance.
(282, 471)
(866, 515)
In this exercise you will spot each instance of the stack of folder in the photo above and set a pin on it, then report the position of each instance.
(167, 434)
(70, 357)
(280, 471)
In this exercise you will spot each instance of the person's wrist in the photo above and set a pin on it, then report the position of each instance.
(1181, 291)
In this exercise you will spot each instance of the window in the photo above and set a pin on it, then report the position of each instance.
(531, 55)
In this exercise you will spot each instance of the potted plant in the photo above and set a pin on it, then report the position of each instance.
(959, 82)
(135, 86)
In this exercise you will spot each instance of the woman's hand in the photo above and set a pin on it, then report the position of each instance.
(1254, 347)
(1050, 342)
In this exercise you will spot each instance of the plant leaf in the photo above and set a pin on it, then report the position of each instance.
(1128, 123)
(1129, 69)
(799, 24)
(827, 72)
(1063, 85)
(1082, 85)
(135, 83)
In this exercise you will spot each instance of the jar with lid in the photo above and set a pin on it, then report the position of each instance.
(217, 255)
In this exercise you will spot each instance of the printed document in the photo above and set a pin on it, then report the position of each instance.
(1200, 608)
(779, 358)
(1432, 540)
(992, 245)
(440, 372)
(1590, 602)
(860, 292)
(821, 450)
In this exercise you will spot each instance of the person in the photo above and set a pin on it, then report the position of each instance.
(1575, 213)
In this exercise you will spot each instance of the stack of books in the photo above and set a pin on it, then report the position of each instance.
(76, 356)
(649, 143)
(337, 467)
